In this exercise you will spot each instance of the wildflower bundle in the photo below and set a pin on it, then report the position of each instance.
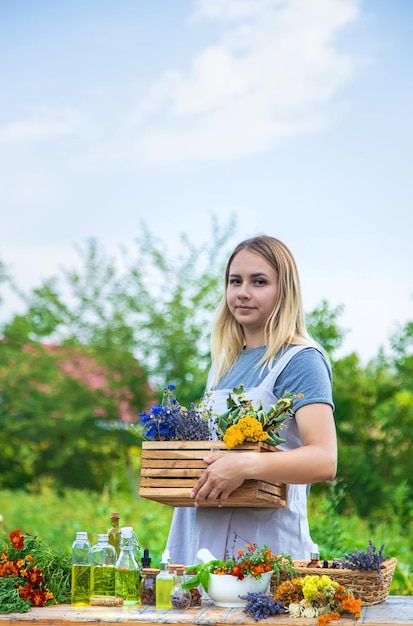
(170, 421)
(31, 574)
(317, 596)
(242, 422)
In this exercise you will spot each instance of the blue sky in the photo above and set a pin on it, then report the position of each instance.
(293, 115)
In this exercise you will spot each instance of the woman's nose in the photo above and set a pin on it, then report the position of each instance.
(243, 292)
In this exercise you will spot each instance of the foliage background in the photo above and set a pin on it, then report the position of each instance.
(137, 324)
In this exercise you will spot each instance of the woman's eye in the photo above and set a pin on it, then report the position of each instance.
(260, 281)
(234, 281)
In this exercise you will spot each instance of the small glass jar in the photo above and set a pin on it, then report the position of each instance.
(180, 597)
(196, 592)
(147, 590)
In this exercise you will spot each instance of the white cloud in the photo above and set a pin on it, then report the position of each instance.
(269, 73)
(270, 76)
(40, 124)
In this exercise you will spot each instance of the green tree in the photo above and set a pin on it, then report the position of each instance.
(153, 303)
(58, 406)
(148, 311)
(323, 326)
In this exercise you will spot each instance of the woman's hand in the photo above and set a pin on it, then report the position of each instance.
(314, 461)
(224, 473)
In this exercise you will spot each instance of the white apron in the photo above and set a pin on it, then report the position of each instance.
(225, 530)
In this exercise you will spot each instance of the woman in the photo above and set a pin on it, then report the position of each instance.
(260, 340)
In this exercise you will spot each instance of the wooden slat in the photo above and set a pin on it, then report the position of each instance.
(170, 469)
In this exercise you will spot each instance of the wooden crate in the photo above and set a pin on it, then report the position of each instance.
(170, 469)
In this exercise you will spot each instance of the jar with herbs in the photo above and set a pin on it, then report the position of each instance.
(180, 597)
(147, 590)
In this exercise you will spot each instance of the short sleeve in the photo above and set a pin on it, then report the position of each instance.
(308, 373)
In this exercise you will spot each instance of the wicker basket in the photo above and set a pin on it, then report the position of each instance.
(169, 470)
(365, 585)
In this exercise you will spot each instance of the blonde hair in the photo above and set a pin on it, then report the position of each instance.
(286, 324)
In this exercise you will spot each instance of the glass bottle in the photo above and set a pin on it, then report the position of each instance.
(127, 569)
(80, 586)
(180, 597)
(103, 561)
(114, 532)
(164, 584)
(147, 591)
(315, 557)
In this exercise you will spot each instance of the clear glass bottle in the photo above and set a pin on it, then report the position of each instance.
(127, 569)
(147, 591)
(114, 532)
(103, 561)
(80, 585)
(164, 583)
(180, 597)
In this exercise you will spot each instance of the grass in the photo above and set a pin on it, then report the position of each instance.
(55, 519)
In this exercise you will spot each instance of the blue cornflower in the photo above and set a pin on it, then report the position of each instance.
(157, 410)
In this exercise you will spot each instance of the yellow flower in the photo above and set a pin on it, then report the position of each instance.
(246, 429)
(313, 585)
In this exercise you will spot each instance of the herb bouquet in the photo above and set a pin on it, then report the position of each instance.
(243, 421)
(32, 574)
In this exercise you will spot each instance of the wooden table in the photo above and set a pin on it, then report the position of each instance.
(394, 611)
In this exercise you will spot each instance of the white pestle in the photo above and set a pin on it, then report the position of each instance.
(204, 555)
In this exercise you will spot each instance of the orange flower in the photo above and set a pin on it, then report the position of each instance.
(325, 619)
(351, 605)
(25, 592)
(39, 597)
(16, 540)
(10, 569)
(34, 576)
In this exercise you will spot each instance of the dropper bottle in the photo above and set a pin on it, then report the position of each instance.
(164, 583)
(315, 557)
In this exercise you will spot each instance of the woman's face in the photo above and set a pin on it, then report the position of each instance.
(251, 292)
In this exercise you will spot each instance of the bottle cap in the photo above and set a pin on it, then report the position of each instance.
(165, 556)
(81, 535)
(315, 554)
(126, 531)
(115, 516)
(150, 570)
(103, 537)
(146, 559)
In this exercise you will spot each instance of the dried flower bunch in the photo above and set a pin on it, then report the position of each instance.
(243, 421)
(370, 560)
(317, 596)
(262, 605)
(170, 421)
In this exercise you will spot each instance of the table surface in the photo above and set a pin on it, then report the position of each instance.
(394, 611)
